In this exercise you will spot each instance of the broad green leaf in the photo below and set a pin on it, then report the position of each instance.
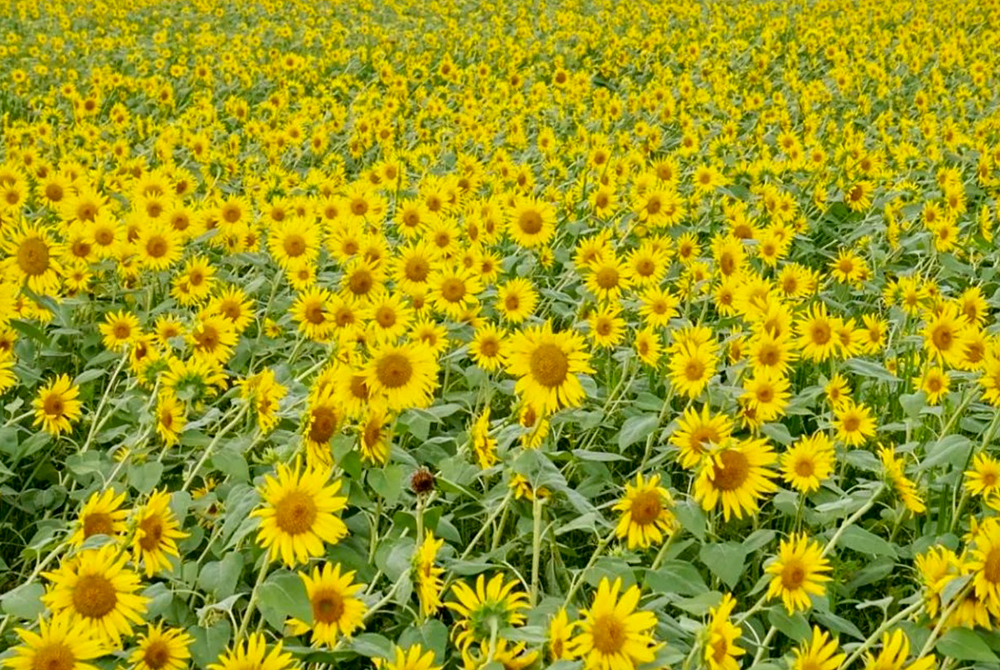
(725, 561)
(963, 644)
(636, 428)
(283, 595)
(680, 577)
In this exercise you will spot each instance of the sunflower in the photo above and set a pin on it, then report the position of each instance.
(646, 513)
(819, 653)
(212, 338)
(613, 634)
(100, 515)
(453, 290)
(294, 242)
(488, 347)
(659, 305)
(691, 367)
(944, 334)
(984, 477)
(411, 266)
(808, 462)
(159, 245)
(648, 347)
(252, 654)
(816, 334)
(532, 223)
(234, 305)
(298, 514)
(162, 649)
(607, 327)
(559, 636)
(547, 366)
(427, 575)
(56, 405)
(312, 310)
(388, 316)
(413, 658)
(854, 423)
(766, 393)
(736, 474)
(34, 257)
(608, 278)
(169, 417)
(61, 643)
(905, 488)
(492, 606)
(894, 654)
(96, 587)
(337, 611)
(797, 573)
(374, 435)
(721, 636)
(696, 432)
(156, 535)
(934, 382)
(404, 376)
(516, 300)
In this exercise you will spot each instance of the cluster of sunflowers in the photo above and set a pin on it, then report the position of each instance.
(499, 336)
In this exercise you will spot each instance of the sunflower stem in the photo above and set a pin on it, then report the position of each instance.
(762, 647)
(486, 525)
(957, 600)
(851, 520)
(536, 545)
(886, 625)
(253, 598)
(578, 579)
(95, 425)
(211, 446)
(661, 554)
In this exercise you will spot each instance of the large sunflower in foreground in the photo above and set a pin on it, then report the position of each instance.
(253, 654)
(404, 375)
(613, 635)
(96, 587)
(546, 365)
(298, 515)
(736, 475)
(60, 644)
(337, 610)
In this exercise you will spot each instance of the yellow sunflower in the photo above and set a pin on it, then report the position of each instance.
(819, 653)
(547, 366)
(797, 573)
(253, 654)
(162, 649)
(156, 534)
(56, 405)
(298, 514)
(101, 515)
(736, 474)
(404, 376)
(61, 643)
(337, 611)
(721, 636)
(96, 587)
(613, 634)
(34, 257)
(646, 513)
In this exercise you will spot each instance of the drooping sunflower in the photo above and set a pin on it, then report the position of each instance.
(100, 515)
(61, 643)
(337, 611)
(156, 535)
(547, 366)
(298, 514)
(56, 405)
(808, 462)
(736, 474)
(614, 635)
(818, 653)
(375, 435)
(253, 654)
(647, 515)
(96, 587)
(404, 376)
(162, 649)
(798, 572)
(491, 604)
(427, 575)
(34, 257)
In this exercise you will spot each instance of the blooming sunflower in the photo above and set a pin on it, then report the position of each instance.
(119, 329)
(483, 446)
(298, 514)
(427, 575)
(808, 462)
(454, 289)
(101, 515)
(797, 572)
(162, 649)
(696, 432)
(894, 654)
(156, 535)
(816, 334)
(169, 417)
(403, 375)
(96, 587)
(691, 367)
(560, 632)
(337, 611)
(56, 406)
(253, 654)
(516, 300)
(854, 423)
(413, 658)
(34, 257)
(613, 635)
(819, 653)
(532, 223)
(487, 347)
(984, 477)
(646, 513)
(903, 485)
(61, 643)
(546, 365)
(736, 474)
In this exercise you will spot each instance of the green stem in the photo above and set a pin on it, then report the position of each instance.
(873, 638)
(95, 424)
(536, 546)
(211, 446)
(253, 598)
(487, 524)
(851, 520)
(578, 579)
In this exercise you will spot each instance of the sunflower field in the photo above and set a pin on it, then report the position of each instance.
(460, 335)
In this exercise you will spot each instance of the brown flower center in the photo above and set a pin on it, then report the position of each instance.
(152, 532)
(33, 256)
(731, 471)
(97, 523)
(53, 656)
(453, 289)
(328, 606)
(157, 655)
(296, 512)
(294, 245)
(549, 365)
(530, 222)
(394, 370)
(793, 575)
(94, 596)
(646, 508)
(609, 634)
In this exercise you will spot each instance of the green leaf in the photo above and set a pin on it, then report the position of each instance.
(636, 428)
(679, 577)
(866, 542)
(725, 561)
(963, 644)
(795, 627)
(372, 645)
(24, 602)
(871, 369)
(692, 518)
(221, 577)
(283, 595)
(387, 482)
(951, 450)
(231, 463)
(209, 642)
(145, 477)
